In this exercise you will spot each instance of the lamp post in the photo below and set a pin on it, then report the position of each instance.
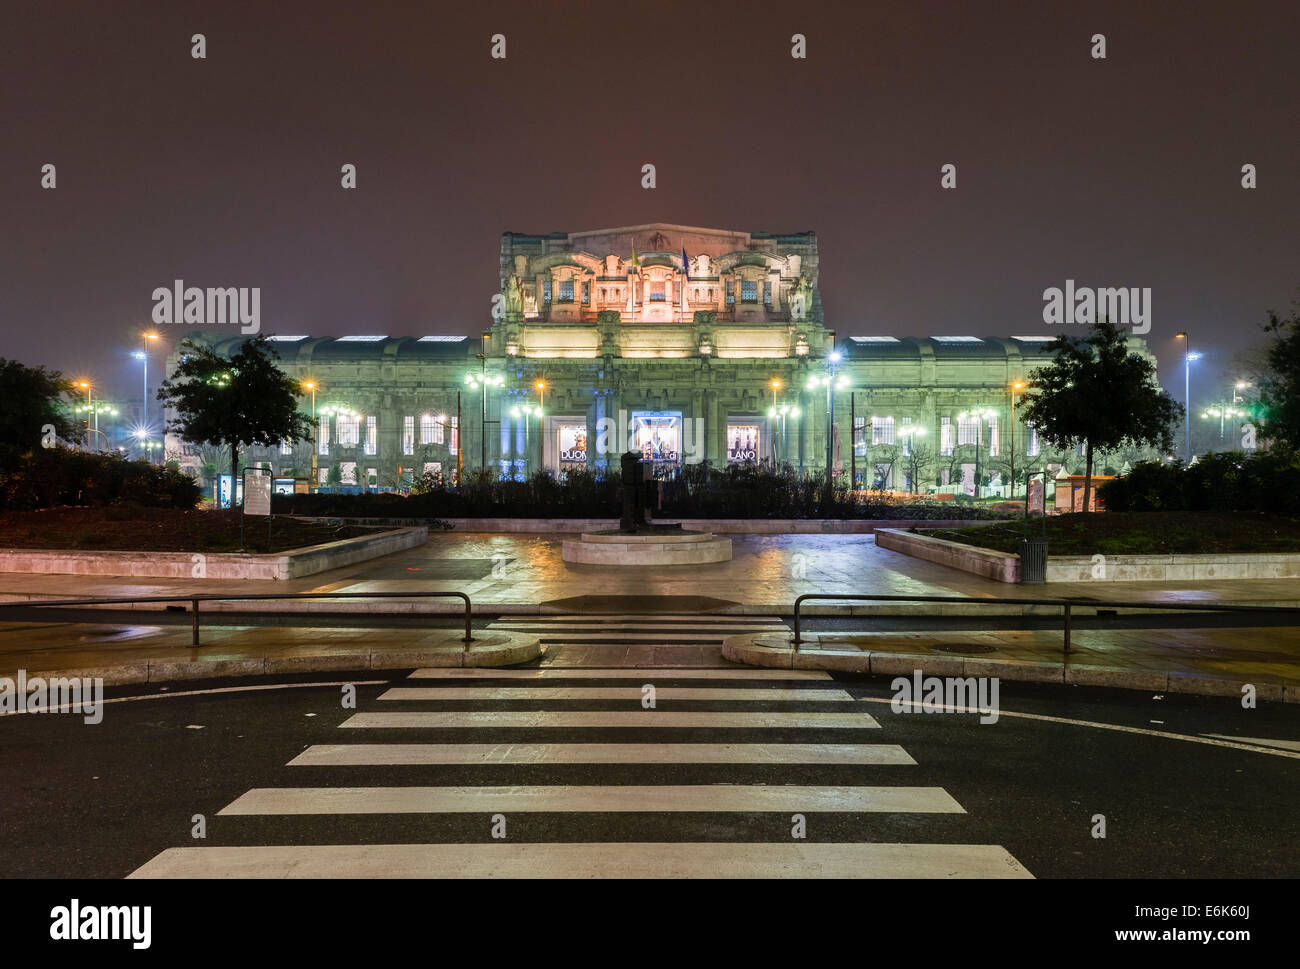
(315, 445)
(832, 383)
(1188, 357)
(908, 432)
(780, 413)
(775, 385)
(979, 415)
(526, 411)
(85, 385)
(1016, 386)
(482, 381)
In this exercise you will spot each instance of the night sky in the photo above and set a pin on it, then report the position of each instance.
(225, 171)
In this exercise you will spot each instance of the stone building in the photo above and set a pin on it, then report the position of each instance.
(689, 344)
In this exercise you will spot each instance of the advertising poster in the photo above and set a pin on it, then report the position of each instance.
(658, 435)
(572, 446)
(742, 443)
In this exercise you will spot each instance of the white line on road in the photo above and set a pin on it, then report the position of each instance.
(385, 755)
(629, 860)
(1100, 726)
(222, 689)
(607, 693)
(638, 798)
(611, 718)
(618, 673)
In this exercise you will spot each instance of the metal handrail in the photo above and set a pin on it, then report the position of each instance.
(196, 599)
(1066, 604)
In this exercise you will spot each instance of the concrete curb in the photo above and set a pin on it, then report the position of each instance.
(775, 652)
(492, 650)
(442, 608)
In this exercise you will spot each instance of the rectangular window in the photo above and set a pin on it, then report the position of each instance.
(967, 430)
(657, 293)
(882, 430)
(372, 435)
(408, 434)
(566, 290)
(767, 293)
(731, 295)
(546, 290)
(586, 294)
(748, 291)
(322, 476)
(860, 436)
(348, 471)
(426, 428)
(455, 435)
(907, 441)
(1032, 447)
(349, 430)
(945, 436)
(323, 436)
(993, 437)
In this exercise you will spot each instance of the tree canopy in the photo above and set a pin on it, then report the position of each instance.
(234, 402)
(1280, 386)
(34, 398)
(1096, 391)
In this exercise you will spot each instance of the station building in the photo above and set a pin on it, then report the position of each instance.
(688, 344)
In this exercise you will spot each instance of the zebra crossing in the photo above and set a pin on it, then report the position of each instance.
(497, 748)
(645, 629)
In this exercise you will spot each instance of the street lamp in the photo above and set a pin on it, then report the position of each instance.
(832, 383)
(1188, 357)
(526, 411)
(782, 412)
(482, 381)
(775, 384)
(1016, 386)
(907, 432)
(310, 385)
(979, 415)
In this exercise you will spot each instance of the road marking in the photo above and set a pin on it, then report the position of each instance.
(1259, 741)
(618, 673)
(644, 617)
(629, 860)
(606, 693)
(1100, 726)
(664, 637)
(377, 755)
(713, 798)
(610, 718)
(221, 689)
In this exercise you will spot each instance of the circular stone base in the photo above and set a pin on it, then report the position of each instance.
(616, 548)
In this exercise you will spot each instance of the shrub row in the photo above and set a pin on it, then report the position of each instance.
(696, 491)
(1266, 481)
(49, 477)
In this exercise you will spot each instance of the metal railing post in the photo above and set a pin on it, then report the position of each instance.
(1067, 629)
(195, 640)
(797, 603)
(468, 634)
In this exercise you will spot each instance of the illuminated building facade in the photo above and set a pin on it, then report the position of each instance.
(685, 343)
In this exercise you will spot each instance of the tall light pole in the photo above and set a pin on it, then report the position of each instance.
(315, 444)
(1016, 386)
(1188, 357)
(979, 415)
(775, 384)
(832, 383)
(482, 381)
(526, 411)
(85, 385)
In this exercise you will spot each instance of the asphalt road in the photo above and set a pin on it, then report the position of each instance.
(103, 800)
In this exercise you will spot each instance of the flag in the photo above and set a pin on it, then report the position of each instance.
(686, 265)
(634, 263)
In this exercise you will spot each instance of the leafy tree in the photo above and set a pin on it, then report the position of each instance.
(242, 401)
(1280, 386)
(33, 398)
(1097, 392)
(334, 477)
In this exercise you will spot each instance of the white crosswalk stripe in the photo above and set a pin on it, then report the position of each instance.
(642, 630)
(762, 700)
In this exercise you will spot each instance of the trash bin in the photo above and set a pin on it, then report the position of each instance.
(1033, 561)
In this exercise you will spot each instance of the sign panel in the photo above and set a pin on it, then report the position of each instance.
(572, 441)
(257, 494)
(742, 443)
(1036, 496)
(658, 435)
(225, 490)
